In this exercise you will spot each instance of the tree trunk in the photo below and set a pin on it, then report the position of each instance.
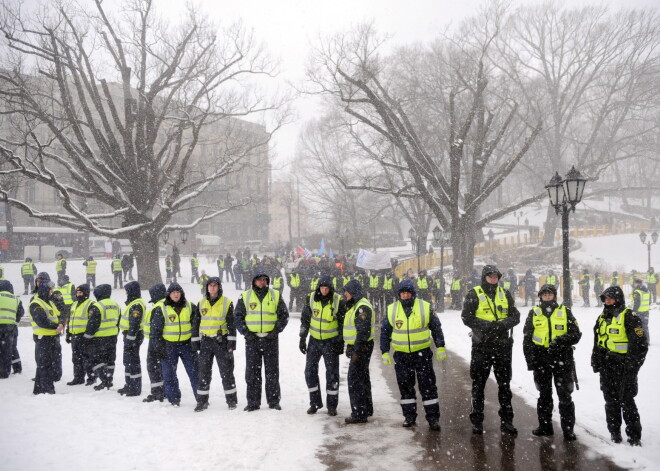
(550, 227)
(145, 249)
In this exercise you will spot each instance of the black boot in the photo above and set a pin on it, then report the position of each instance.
(75, 382)
(153, 398)
(312, 410)
(201, 406)
(409, 422)
(507, 427)
(543, 430)
(616, 437)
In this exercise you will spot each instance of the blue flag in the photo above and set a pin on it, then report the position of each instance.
(331, 254)
(322, 249)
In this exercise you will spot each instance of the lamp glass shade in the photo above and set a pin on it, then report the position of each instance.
(165, 235)
(184, 236)
(555, 191)
(654, 237)
(642, 237)
(411, 233)
(574, 184)
(437, 235)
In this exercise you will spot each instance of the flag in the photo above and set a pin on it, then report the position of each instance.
(331, 254)
(307, 254)
(322, 248)
(300, 251)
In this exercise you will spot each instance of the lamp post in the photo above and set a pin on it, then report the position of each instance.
(183, 235)
(441, 238)
(565, 193)
(654, 238)
(518, 215)
(415, 244)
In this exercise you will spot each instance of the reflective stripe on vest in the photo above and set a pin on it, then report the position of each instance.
(486, 310)
(146, 319)
(214, 318)
(8, 308)
(546, 329)
(109, 318)
(65, 291)
(261, 315)
(644, 300)
(373, 281)
(27, 268)
(116, 265)
(350, 332)
(52, 313)
(178, 327)
(124, 323)
(195, 262)
(324, 324)
(410, 333)
(551, 280)
(79, 317)
(91, 267)
(613, 336)
(294, 280)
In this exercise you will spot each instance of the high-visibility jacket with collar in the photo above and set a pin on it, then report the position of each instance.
(65, 291)
(60, 265)
(178, 326)
(221, 263)
(388, 281)
(116, 265)
(2, 272)
(27, 269)
(324, 324)
(8, 308)
(79, 316)
(194, 262)
(546, 329)
(110, 312)
(294, 280)
(124, 321)
(644, 300)
(169, 265)
(652, 278)
(614, 281)
(261, 315)
(438, 283)
(277, 282)
(488, 310)
(146, 319)
(213, 317)
(314, 283)
(346, 279)
(612, 335)
(203, 279)
(91, 267)
(52, 313)
(374, 281)
(335, 283)
(551, 280)
(506, 284)
(410, 333)
(456, 284)
(350, 331)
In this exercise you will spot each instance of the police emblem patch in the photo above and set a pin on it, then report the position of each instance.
(204, 311)
(639, 331)
(172, 318)
(58, 295)
(136, 313)
(316, 312)
(253, 306)
(398, 324)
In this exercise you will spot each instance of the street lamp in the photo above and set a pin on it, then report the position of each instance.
(518, 215)
(183, 235)
(441, 238)
(654, 239)
(415, 244)
(565, 193)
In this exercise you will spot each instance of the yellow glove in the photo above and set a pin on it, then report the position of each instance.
(441, 353)
(386, 359)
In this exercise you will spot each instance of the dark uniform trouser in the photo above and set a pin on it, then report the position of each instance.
(619, 390)
(530, 294)
(229, 272)
(117, 279)
(28, 283)
(132, 366)
(563, 379)
(315, 350)
(104, 354)
(195, 276)
(439, 300)
(216, 347)
(47, 352)
(15, 357)
(483, 359)
(82, 363)
(644, 317)
(420, 364)
(7, 335)
(60, 275)
(91, 279)
(359, 384)
(295, 294)
(175, 351)
(456, 299)
(653, 292)
(155, 371)
(585, 296)
(267, 351)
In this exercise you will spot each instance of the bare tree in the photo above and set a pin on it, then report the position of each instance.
(444, 112)
(112, 113)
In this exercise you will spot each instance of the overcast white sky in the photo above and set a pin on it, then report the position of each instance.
(287, 27)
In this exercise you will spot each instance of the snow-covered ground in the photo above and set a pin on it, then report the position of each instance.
(79, 428)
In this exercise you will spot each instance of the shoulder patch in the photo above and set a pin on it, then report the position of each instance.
(135, 312)
(363, 316)
(639, 331)
(58, 295)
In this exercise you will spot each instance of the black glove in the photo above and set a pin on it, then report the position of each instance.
(272, 334)
(196, 346)
(128, 344)
(67, 339)
(231, 345)
(349, 351)
(498, 329)
(303, 345)
(249, 335)
(338, 348)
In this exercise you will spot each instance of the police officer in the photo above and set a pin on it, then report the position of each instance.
(217, 340)
(585, 285)
(641, 304)
(60, 268)
(359, 325)
(46, 327)
(76, 328)
(390, 283)
(408, 327)
(599, 286)
(374, 287)
(156, 347)
(68, 292)
(652, 283)
(63, 316)
(619, 352)
(551, 279)
(194, 267)
(203, 279)
(439, 292)
(28, 270)
(177, 328)
(260, 316)
(323, 318)
(11, 312)
(102, 334)
(510, 282)
(278, 282)
(530, 286)
(615, 280)
(117, 272)
(490, 312)
(549, 335)
(90, 271)
(456, 291)
(130, 325)
(294, 289)
(423, 286)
